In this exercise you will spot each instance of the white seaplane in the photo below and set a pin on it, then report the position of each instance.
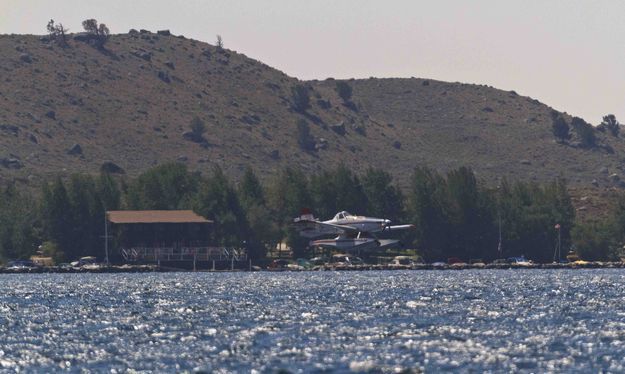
(355, 233)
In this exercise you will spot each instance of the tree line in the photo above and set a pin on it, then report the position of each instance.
(455, 215)
(584, 130)
(97, 34)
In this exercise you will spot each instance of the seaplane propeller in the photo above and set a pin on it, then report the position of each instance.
(387, 225)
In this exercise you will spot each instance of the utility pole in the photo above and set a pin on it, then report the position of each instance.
(499, 247)
(558, 246)
(106, 240)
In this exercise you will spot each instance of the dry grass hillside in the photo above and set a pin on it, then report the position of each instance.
(73, 109)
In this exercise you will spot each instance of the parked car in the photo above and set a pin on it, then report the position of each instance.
(318, 261)
(406, 260)
(342, 259)
(278, 264)
(304, 263)
(356, 261)
(21, 264)
(84, 261)
(477, 262)
(454, 260)
(519, 260)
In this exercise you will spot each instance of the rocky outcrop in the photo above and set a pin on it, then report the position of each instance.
(75, 150)
(11, 163)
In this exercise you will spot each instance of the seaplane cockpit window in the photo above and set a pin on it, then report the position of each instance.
(340, 215)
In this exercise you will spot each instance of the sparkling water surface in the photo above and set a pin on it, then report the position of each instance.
(432, 321)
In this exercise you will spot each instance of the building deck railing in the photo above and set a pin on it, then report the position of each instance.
(157, 254)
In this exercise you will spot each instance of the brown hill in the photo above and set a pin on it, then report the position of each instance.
(73, 109)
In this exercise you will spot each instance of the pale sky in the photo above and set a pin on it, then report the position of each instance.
(569, 54)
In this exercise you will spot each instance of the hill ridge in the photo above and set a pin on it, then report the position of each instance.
(75, 109)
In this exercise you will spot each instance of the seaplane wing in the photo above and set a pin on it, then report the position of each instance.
(312, 228)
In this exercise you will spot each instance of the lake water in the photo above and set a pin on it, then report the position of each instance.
(473, 320)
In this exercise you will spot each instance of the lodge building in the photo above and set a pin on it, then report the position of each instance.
(178, 238)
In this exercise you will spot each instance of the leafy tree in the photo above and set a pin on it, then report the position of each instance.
(350, 195)
(427, 209)
(218, 200)
(72, 217)
(324, 195)
(251, 190)
(57, 33)
(560, 210)
(530, 214)
(300, 98)
(336, 190)
(288, 194)
(18, 213)
(471, 217)
(559, 126)
(263, 229)
(86, 217)
(596, 236)
(585, 131)
(50, 249)
(55, 215)
(594, 241)
(165, 187)
(219, 43)
(617, 217)
(263, 232)
(99, 32)
(384, 199)
(610, 123)
(109, 192)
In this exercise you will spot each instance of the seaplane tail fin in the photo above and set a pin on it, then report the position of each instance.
(305, 215)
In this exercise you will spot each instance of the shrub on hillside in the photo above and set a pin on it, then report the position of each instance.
(198, 127)
(559, 126)
(585, 132)
(300, 98)
(305, 140)
(344, 90)
(611, 124)
(57, 33)
(99, 32)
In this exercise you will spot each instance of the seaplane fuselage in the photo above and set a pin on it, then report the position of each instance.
(362, 223)
(350, 232)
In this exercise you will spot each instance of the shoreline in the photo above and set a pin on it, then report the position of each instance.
(161, 269)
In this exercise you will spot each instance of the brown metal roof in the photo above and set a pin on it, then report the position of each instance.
(155, 216)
